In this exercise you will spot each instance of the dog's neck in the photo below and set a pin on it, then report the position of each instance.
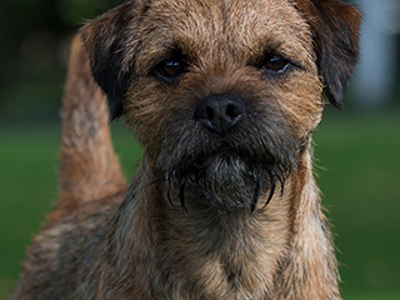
(249, 256)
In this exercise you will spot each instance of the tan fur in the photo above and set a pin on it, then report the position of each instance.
(89, 168)
(99, 244)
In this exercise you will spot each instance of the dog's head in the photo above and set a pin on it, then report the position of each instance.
(223, 95)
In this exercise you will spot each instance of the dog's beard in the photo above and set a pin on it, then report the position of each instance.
(229, 173)
(227, 182)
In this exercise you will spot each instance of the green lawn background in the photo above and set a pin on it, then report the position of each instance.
(358, 162)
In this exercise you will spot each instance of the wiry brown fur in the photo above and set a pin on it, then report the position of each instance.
(185, 228)
(85, 114)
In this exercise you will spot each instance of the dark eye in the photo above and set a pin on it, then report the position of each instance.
(170, 69)
(276, 64)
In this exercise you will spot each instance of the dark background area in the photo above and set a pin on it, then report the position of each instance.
(357, 149)
(35, 38)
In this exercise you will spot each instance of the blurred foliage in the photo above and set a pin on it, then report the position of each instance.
(34, 38)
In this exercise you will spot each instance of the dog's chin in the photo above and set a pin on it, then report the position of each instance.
(230, 182)
(223, 181)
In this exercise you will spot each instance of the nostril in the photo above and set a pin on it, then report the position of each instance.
(209, 113)
(233, 111)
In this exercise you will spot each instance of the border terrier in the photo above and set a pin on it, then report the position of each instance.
(223, 98)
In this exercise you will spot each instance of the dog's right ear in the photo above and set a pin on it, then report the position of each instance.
(105, 39)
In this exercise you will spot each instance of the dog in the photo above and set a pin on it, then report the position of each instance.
(223, 98)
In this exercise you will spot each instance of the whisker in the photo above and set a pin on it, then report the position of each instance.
(281, 176)
(169, 191)
(257, 189)
(203, 189)
(157, 181)
(181, 187)
(272, 180)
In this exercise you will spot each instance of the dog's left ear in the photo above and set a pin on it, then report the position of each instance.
(335, 26)
(105, 40)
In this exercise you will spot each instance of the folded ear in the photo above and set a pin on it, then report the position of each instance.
(105, 39)
(335, 26)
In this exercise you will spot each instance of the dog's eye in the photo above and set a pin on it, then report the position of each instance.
(276, 64)
(170, 69)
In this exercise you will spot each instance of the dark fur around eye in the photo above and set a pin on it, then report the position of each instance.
(170, 68)
(272, 63)
(276, 64)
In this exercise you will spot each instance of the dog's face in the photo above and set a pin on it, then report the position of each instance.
(223, 95)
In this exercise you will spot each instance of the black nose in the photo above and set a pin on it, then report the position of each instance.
(219, 113)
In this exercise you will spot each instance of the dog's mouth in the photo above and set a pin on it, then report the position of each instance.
(241, 170)
(230, 182)
(226, 180)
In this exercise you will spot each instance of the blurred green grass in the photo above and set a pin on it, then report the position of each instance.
(357, 162)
